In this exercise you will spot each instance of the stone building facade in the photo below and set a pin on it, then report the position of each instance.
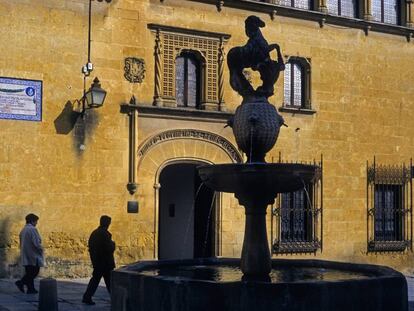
(347, 94)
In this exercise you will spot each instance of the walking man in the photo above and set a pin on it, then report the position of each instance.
(101, 250)
(31, 254)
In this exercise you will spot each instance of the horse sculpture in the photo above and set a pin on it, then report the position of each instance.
(255, 54)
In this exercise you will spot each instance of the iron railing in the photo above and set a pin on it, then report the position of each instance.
(389, 207)
(296, 219)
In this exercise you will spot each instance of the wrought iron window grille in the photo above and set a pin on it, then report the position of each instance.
(389, 207)
(296, 218)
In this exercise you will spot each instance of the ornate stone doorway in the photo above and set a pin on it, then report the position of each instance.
(187, 214)
(156, 155)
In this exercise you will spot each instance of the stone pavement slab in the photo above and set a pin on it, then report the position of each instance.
(70, 293)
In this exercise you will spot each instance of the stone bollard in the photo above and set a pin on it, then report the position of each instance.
(48, 295)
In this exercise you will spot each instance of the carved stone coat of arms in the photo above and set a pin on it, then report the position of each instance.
(134, 69)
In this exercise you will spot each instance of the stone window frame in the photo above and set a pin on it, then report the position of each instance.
(382, 178)
(170, 42)
(306, 106)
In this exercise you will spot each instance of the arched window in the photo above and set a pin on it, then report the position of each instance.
(293, 88)
(385, 11)
(297, 83)
(187, 80)
(342, 7)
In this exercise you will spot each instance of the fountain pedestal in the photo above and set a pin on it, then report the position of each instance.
(255, 258)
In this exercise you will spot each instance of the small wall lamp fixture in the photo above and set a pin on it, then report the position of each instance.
(95, 96)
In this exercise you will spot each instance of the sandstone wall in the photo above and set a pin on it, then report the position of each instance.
(362, 91)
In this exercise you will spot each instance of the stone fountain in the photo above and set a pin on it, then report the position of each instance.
(256, 282)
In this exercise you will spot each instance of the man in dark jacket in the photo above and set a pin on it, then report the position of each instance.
(101, 250)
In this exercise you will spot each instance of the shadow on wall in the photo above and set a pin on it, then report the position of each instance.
(81, 125)
(66, 120)
(8, 268)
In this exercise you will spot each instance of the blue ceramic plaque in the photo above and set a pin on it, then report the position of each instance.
(20, 99)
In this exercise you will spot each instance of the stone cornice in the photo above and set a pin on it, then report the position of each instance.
(192, 32)
(145, 111)
(296, 110)
(319, 17)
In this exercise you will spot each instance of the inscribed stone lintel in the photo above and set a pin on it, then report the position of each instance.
(213, 138)
(170, 42)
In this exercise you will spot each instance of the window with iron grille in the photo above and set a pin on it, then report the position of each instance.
(385, 11)
(342, 7)
(187, 80)
(389, 207)
(296, 88)
(296, 219)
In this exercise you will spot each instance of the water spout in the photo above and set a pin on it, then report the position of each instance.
(190, 217)
(213, 200)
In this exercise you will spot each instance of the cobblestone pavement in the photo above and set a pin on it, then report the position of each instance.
(70, 293)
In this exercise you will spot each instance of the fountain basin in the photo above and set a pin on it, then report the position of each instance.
(257, 178)
(256, 186)
(311, 285)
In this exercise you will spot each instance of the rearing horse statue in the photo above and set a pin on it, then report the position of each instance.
(255, 54)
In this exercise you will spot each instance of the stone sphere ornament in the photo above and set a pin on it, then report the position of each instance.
(256, 126)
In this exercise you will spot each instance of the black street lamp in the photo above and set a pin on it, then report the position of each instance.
(95, 96)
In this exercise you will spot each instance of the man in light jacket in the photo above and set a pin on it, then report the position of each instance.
(31, 252)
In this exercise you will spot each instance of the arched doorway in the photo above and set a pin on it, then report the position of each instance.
(187, 214)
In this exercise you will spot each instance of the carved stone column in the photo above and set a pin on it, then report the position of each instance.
(322, 6)
(131, 110)
(367, 10)
(158, 70)
(410, 12)
(157, 187)
(221, 58)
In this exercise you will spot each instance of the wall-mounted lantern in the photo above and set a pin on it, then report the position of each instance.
(95, 96)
